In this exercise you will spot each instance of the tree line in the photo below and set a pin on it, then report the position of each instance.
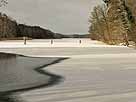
(113, 22)
(10, 29)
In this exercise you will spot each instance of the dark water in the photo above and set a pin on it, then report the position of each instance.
(21, 73)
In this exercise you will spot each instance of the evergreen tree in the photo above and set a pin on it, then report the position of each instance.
(113, 21)
(3, 3)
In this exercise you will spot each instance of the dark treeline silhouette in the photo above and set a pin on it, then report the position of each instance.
(77, 36)
(35, 32)
(10, 29)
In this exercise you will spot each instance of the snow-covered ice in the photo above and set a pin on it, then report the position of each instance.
(56, 43)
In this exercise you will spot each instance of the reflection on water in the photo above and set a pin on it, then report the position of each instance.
(20, 73)
(9, 98)
(6, 56)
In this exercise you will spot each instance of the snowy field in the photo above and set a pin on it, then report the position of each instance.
(56, 43)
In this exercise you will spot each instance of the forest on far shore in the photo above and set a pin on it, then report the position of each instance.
(10, 29)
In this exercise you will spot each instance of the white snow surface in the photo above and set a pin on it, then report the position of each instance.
(56, 43)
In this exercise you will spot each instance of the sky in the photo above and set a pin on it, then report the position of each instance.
(60, 16)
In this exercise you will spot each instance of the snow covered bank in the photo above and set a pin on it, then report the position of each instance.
(54, 43)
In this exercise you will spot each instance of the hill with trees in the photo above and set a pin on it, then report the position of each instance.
(113, 22)
(10, 29)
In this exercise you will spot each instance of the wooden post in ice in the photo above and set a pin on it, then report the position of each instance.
(51, 42)
(80, 41)
(24, 38)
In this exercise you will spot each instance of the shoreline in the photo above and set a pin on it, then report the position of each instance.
(5, 96)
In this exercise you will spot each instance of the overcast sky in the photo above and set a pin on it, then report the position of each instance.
(62, 16)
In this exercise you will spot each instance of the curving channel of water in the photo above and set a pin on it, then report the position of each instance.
(22, 73)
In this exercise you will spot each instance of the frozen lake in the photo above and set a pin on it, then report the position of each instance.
(20, 73)
(91, 74)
